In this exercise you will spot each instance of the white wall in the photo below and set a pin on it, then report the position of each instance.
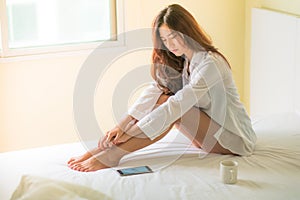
(292, 7)
(273, 66)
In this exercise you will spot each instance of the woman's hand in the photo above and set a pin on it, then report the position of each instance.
(114, 134)
(134, 131)
(117, 135)
(102, 144)
(124, 138)
(109, 138)
(105, 142)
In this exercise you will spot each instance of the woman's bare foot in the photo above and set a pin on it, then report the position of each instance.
(83, 157)
(104, 159)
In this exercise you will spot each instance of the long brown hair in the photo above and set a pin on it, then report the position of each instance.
(180, 20)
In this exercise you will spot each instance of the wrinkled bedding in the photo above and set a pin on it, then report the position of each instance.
(181, 171)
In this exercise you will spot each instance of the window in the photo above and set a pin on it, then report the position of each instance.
(37, 26)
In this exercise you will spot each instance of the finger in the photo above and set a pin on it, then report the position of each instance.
(101, 144)
(128, 126)
(117, 138)
(110, 144)
(100, 140)
(105, 144)
(109, 137)
(120, 141)
(119, 135)
(124, 138)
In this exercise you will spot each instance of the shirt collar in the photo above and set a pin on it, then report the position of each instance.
(195, 61)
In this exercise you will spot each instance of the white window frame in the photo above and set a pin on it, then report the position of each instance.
(6, 52)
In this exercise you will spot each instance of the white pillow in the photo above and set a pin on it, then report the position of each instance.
(36, 188)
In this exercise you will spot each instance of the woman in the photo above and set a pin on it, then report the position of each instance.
(194, 91)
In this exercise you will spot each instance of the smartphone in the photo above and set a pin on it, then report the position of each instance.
(134, 170)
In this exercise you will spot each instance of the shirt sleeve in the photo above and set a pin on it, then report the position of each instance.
(203, 77)
(146, 102)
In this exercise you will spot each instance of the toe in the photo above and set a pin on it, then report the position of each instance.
(71, 160)
(72, 163)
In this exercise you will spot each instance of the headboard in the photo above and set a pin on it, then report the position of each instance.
(275, 63)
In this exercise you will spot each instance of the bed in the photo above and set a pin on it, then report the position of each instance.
(182, 171)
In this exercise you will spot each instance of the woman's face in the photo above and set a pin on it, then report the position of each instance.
(172, 40)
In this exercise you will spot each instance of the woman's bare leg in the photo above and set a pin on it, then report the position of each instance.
(100, 159)
(111, 156)
(200, 128)
(83, 157)
(195, 124)
(78, 159)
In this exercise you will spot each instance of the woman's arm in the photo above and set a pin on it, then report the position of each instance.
(146, 102)
(142, 106)
(205, 76)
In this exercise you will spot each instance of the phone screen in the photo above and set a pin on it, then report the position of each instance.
(134, 170)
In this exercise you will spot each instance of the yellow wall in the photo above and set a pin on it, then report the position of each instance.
(36, 102)
(292, 7)
(36, 93)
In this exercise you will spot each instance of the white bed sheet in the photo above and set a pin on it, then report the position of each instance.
(272, 172)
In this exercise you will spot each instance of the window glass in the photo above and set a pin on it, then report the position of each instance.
(53, 22)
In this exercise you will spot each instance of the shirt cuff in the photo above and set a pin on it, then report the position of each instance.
(136, 113)
(146, 125)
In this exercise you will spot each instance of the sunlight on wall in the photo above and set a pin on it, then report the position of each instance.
(36, 102)
(108, 83)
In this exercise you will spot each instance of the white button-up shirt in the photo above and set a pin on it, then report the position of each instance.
(210, 87)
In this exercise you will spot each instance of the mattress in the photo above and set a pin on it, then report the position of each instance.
(181, 171)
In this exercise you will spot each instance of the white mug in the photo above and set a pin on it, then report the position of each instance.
(228, 171)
